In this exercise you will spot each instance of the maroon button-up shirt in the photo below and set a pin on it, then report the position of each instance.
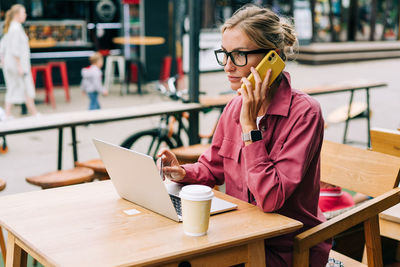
(280, 173)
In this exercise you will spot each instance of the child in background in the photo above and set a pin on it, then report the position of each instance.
(92, 80)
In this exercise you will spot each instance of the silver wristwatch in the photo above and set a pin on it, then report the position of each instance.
(254, 135)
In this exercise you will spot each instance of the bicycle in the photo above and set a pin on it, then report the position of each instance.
(169, 132)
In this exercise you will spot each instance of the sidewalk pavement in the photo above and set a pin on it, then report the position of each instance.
(36, 153)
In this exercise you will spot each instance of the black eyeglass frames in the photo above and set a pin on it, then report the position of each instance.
(239, 58)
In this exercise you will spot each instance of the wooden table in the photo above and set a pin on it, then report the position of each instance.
(42, 43)
(139, 40)
(84, 225)
(136, 40)
(78, 118)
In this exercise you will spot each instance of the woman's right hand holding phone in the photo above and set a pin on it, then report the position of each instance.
(171, 167)
(254, 99)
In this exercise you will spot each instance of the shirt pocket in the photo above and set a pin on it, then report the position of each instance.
(230, 152)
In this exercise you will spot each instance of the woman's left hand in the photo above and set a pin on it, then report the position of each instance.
(253, 100)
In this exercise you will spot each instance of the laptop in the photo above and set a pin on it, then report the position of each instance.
(136, 178)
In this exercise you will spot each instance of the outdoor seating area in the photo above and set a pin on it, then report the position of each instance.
(199, 133)
(359, 164)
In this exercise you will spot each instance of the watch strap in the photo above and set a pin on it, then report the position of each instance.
(254, 135)
(246, 137)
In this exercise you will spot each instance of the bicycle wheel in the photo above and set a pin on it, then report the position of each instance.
(149, 142)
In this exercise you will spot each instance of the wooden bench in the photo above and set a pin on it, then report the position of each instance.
(349, 86)
(334, 52)
(97, 166)
(73, 176)
(368, 172)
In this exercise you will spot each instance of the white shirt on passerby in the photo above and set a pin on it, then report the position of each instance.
(92, 80)
(15, 44)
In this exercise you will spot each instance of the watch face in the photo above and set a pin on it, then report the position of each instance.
(255, 135)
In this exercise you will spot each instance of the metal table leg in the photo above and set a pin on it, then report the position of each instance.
(139, 75)
(74, 144)
(60, 145)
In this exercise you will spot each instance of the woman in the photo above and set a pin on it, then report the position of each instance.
(15, 55)
(278, 169)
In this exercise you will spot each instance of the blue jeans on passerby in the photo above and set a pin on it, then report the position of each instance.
(94, 102)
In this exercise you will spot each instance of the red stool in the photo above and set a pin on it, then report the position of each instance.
(104, 52)
(134, 72)
(48, 82)
(64, 75)
(165, 71)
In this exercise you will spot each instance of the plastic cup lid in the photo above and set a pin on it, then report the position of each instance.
(196, 192)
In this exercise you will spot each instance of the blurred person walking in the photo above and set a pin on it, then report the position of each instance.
(91, 83)
(15, 59)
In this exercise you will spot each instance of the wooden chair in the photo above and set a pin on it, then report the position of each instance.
(2, 241)
(371, 173)
(97, 166)
(62, 178)
(385, 141)
(388, 142)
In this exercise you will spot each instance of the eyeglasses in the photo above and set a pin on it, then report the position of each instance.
(239, 58)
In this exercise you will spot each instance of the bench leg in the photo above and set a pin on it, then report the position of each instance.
(127, 76)
(60, 147)
(139, 77)
(346, 126)
(368, 119)
(74, 143)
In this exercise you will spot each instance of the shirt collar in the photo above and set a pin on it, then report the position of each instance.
(280, 103)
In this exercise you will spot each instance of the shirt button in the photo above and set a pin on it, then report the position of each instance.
(263, 128)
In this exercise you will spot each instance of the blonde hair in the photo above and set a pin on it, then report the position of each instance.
(10, 14)
(95, 57)
(265, 28)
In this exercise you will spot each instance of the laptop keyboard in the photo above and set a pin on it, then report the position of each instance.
(177, 204)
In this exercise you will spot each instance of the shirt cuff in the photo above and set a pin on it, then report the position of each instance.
(190, 177)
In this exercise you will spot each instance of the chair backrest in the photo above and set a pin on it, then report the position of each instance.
(359, 170)
(371, 173)
(385, 141)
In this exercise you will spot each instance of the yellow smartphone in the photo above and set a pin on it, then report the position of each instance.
(271, 61)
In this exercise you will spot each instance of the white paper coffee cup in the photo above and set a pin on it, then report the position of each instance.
(196, 205)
